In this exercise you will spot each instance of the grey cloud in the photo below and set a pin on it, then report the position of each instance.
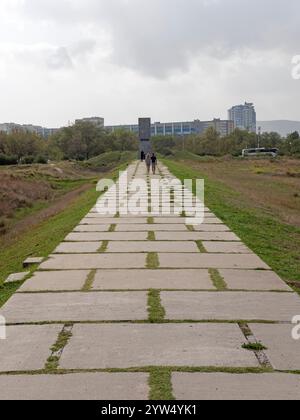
(83, 48)
(59, 59)
(158, 37)
(51, 56)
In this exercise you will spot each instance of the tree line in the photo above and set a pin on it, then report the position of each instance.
(80, 142)
(211, 143)
(84, 140)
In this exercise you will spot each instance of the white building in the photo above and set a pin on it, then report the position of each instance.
(243, 117)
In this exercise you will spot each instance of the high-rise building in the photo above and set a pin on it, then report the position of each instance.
(243, 117)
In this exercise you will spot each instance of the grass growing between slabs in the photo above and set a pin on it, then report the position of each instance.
(152, 261)
(160, 383)
(217, 279)
(151, 236)
(155, 309)
(276, 242)
(254, 347)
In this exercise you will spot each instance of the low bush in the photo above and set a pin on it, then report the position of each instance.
(8, 160)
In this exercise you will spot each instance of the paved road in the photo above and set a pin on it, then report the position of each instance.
(123, 295)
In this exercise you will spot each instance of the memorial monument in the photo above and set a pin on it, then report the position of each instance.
(145, 135)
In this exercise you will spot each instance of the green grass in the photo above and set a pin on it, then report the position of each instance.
(103, 247)
(151, 236)
(89, 281)
(217, 279)
(7, 290)
(112, 228)
(109, 160)
(160, 384)
(152, 261)
(276, 243)
(52, 363)
(155, 309)
(62, 341)
(254, 347)
(201, 247)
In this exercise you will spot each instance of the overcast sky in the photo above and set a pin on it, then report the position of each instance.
(168, 59)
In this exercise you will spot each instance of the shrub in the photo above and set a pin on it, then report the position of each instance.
(27, 160)
(8, 160)
(41, 159)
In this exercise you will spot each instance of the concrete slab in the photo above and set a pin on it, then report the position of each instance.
(253, 280)
(227, 387)
(27, 347)
(105, 220)
(151, 227)
(76, 307)
(93, 261)
(249, 261)
(119, 220)
(169, 220)
(104, 228)
(152, 279)
(205, 227)
(43, 281)
(230, 306)
(197, 236)
(75, 387)
(226, 247)
(106, 236)
(16, 277)
(139, 345)
(33, 261)
(211, 221)
(77, 247)
(283, 351)
(154, 246)
(184, 220)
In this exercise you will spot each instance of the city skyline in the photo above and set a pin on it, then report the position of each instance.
(175, 128)
(61, 60)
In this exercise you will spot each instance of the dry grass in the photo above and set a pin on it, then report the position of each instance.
(16, 193)
(25, 189)
(272, 185)
(259, 208)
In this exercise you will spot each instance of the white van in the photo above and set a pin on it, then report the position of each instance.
(273, 152)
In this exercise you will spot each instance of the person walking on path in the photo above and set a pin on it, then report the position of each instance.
(154, 163)
(148, 163)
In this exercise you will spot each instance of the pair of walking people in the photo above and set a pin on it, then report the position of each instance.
(151, 162)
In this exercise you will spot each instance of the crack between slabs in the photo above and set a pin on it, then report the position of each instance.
(257, 347)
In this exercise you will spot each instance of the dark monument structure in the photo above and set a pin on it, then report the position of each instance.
(145, 135)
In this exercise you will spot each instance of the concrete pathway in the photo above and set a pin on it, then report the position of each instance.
(124, 299)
